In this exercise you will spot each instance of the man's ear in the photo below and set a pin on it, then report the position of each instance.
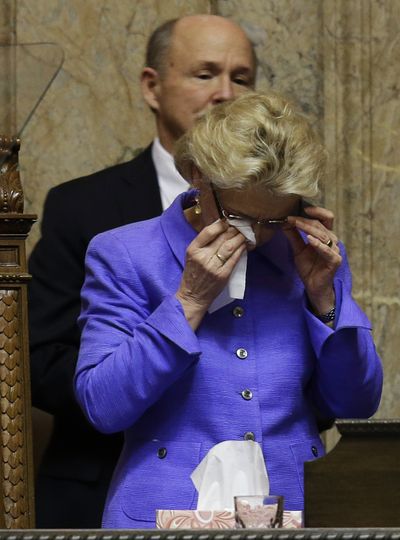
(150, 84)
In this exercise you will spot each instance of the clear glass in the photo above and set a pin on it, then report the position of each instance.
(258, 511)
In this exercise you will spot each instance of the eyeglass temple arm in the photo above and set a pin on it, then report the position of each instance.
(217, 203)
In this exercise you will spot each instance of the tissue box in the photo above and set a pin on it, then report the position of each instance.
(195, 519)
(216, 519)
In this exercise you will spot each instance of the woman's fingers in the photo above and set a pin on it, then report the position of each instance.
(227, 260)
(295, 239)
(209, 254)
(324, 244)
(216, 242)
(226, 265)
(325, 216)
(210, 233)
(227, 244)
(314, 228)
(330, 254)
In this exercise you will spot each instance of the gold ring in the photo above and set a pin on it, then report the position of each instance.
(329, 243)
(221, 258)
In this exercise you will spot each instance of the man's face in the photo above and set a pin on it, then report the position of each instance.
(210, 61)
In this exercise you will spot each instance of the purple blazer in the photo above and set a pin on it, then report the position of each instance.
(177, 393)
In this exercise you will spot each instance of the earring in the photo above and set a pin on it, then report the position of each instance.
(197, 208)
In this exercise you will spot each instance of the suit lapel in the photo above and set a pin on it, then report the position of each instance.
(139, 195)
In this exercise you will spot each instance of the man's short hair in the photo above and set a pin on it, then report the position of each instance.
(158, 46)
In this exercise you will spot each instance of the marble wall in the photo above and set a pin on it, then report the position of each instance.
(288, 38)
(338, 58)
(7, 84)
(7, 21)
(361, 125)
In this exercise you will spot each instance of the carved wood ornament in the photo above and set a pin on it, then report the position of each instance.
(16, 473)
(11, 196)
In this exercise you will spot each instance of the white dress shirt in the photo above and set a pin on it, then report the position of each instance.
(171, 183)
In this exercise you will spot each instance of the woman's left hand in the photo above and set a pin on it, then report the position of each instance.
(316, 261)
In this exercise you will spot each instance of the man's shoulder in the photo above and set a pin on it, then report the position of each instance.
(130, 171)
(109, 198)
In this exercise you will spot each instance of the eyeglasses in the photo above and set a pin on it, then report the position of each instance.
(273, 223)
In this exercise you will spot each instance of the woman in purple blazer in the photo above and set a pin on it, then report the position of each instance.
(170, 355)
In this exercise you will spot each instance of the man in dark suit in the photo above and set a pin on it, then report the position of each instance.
(191, 64)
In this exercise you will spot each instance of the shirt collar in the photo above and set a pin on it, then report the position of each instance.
(171, 183)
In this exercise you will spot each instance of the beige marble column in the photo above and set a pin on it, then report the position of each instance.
(288, 40)
(361, 72)
(7, 65)
(7, 21)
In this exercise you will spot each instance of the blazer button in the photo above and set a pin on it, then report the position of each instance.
(161, 453)
(241, 353)
(314, 450)
(238, 312)
(247, 394)
(249, 436)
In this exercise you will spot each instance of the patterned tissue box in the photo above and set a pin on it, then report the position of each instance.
(201, 519)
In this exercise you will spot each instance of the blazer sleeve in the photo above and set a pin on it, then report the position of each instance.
(130, 353)
(57, 268)
(348, 377)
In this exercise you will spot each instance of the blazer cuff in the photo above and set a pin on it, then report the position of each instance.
(348, 315)
(170, 321)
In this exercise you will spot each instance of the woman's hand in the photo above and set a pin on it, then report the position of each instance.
(210, 260)
(318, 260)
(325, 216)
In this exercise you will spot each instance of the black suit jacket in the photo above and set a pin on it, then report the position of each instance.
(78, 463)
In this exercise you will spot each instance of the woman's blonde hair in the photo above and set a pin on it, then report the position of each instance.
(256, 139)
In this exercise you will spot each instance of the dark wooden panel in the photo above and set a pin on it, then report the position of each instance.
(9, 256)
(358, 483)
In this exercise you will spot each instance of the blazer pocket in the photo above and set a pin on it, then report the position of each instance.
(306, 450)
(158, 478)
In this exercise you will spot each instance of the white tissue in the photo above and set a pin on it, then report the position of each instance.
(230, 468)
(236, 286)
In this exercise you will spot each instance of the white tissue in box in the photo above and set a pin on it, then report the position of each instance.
(230, 468)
